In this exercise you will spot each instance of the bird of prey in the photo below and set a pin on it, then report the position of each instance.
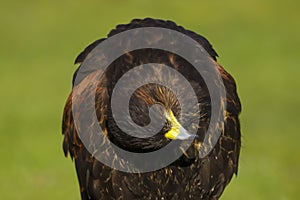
(189, 176)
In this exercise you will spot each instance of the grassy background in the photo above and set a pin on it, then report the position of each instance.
(258, 43)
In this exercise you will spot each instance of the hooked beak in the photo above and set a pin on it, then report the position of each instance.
(179, 133)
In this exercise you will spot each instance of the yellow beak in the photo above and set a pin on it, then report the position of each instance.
(177, 131)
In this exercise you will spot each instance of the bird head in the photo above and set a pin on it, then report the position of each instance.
(156, 104)
(153, 103)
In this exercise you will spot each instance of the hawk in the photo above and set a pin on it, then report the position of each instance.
(189, 176)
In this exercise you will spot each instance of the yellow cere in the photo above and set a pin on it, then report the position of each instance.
(175, 126)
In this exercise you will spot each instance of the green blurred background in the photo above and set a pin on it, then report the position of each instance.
(258, 43)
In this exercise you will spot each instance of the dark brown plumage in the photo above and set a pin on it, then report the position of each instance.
(189, 177)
